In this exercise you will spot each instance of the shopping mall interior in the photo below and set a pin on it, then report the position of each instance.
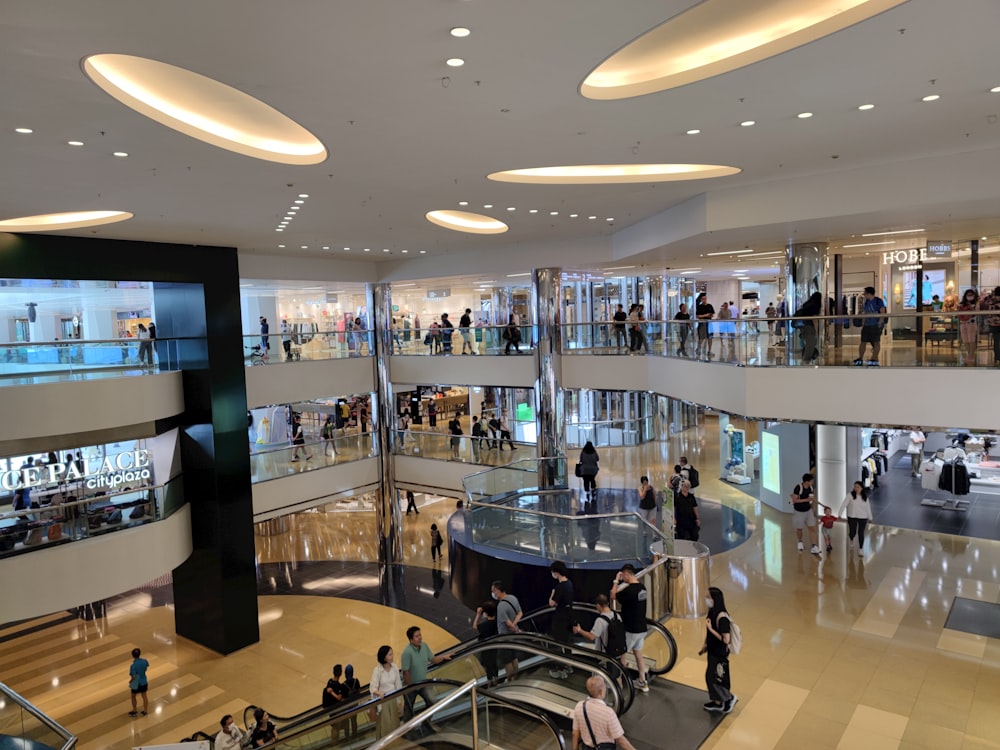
(289, 293)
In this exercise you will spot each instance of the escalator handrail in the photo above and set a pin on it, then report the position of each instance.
(650, 623)
(370, 701)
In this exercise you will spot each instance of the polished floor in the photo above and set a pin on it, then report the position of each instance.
(844, 650)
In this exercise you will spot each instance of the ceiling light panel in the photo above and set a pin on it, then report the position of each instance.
(465, 221)
(718, 36)
(596, 174)
(66, 220)
(204, 108)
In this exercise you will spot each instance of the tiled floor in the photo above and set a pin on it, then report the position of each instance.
(844, 651)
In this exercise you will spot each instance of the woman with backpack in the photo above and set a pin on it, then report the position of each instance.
(717, 637)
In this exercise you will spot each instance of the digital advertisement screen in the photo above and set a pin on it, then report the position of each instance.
(933, 284)
(770, 463)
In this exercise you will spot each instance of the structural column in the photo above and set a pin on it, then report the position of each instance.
(831, 465)
(551, 425)
(387, 521)
(806, 273)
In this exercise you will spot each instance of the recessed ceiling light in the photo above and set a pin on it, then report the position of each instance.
(596, 174)
(303, 195)
(717, 36)
(204, 109)
(460, 32)
(533, 211)
(931, 98)
(326, 247)
(744, 251)
(404, 251)
(299, 202)
(591, 217)
(740, 270)
(896, 231)
(573, 216)
(693, 131)
(305, 247)
(982, 238)
(994, 90)
(865, 107)
(487, 205)
(279, 229)
(368, 249)
(748, 123)
(423, 252)
(455, 62)
(870, 244)
(385, 249)
(511, 208)
(281, 246)
(74, 143)
(24, 131)
(553, 213)
(463, 203)
(464, 221)
(515, 275)
(610, 218)
(66, 220)
(121, 154)
(347, 248)
(804, 115)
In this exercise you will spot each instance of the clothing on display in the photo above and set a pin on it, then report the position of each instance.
(954, 477)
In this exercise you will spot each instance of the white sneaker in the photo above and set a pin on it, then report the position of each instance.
(801, 546)
(815, 550)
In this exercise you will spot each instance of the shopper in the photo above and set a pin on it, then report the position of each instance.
(859, 512)
(286, 339)
(993, 321)
(871, 328)
(417, 658)
(968, 325)
(477, 438)
(437, 542)
(687, 519)
(465, 326)
(915, 450)
(803, 500)
(561, 624)
(264, 731)
(411, 503)
(353, 685)
(455, 429)
(589, 467)
(231, 737)
(298, 438)
(647, 500)
(595, 724)
(632, 596)
(807, 327)
(485, 625)
(826, 522)
(704, 312)
(138, 684)
(599, 635)
(145, 346)
(328, 433)
(717, 628)
(509, 614)
(619, 318)
(505, 431)
(385, 680)
(447, 329)
(512, 335)
(264, 329)
(335, 691)
(683, 328)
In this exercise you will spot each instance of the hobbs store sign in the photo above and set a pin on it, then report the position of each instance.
(131, 466)
(897, 257)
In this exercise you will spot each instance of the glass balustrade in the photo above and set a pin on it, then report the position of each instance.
(78, 359)
(273, 462)
(464, 448)
(953, 339)
(481, 340)
(61, 517)
(22, 725)
(276, 348)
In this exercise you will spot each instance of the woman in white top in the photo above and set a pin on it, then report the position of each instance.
(385, 679)
(859, 513)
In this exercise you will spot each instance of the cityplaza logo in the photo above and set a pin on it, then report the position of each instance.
(110, 472)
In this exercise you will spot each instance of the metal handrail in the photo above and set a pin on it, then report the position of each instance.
(129, 340)
(69, 737)
(835, 316)
(468, 688)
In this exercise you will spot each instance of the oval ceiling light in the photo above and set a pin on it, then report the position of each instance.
(464, 221)
(65, 220)
(718, 36)
(204, 108)
(460, 32)
(455, 62)
(597, 174)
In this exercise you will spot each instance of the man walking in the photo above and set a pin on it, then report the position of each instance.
(803, 500)
(871, 328)
(620, 317)
(417, 657)
(509, 614)
(632, 596)
(595, 723)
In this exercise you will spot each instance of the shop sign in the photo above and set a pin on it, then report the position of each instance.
(130, 466)
(438, 293)
(939, 249)
(898, 257)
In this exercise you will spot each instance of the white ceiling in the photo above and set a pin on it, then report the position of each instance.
(406, 134)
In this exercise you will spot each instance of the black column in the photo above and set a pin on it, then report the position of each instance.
(196, 294)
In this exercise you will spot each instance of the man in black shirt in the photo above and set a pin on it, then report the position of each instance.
(464, 324)
(620, 317)
(627, 590)
(804, 516)
(704, 312)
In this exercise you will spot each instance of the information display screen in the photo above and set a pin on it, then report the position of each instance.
(770, 463)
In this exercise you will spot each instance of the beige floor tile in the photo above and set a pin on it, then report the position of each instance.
(763, 719)
(959, 642)
(922, 734)
(855, 737)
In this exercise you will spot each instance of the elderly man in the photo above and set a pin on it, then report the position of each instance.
(595, 724)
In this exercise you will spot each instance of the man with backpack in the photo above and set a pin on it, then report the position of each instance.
(632, 596)
(608, 633)
(692, 473)
(494, 425)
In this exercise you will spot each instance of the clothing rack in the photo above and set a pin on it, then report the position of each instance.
(956, 481)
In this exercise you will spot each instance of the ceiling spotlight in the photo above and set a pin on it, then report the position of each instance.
(326, 247)
(463, 203)
(281, 246)
(423, 252)
(804, 115)
(533, 211)
(24, 131)
(610, 218)
(553, 213)
(460, 32)
(748, 123)
(455, 62)
(404, 251)
(573, 216)
(120, 154)
(982, 238)
(511, 208)
(994, 90)
(303, 195)
(693, 131)
(487, 205)
(931, 98)
(279, 229)
(866, 107)
(385, 249)
(299, 202)
(305, 247)
(74, 143)
(591, 217)
(368, 249)
(347, 249)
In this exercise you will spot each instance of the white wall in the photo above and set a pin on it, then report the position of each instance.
(288, 382)
(514, 371)
(291, 494)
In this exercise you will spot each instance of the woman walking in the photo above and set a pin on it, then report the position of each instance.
(588, 464)
(968, 326)
(716, 644)
(859, 513)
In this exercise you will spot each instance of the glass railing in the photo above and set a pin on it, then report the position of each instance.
(464, 448)
(472, 717)
(77, 359)
(485, 340)
(275, 347)
(60, 517)
(505, 480)
(273, 462)
(22, 725)
(612, 432)
(925, 339)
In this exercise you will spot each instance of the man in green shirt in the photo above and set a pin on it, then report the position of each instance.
(417, 657)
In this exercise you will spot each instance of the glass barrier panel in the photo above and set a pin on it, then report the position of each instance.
(276, 348)
(22, 724)
(465, 448)
(273, 462)
(481, 340)
(79, 359)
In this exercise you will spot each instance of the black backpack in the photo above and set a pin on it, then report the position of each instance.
(494, 424)
(615, 638)
(692, 476)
